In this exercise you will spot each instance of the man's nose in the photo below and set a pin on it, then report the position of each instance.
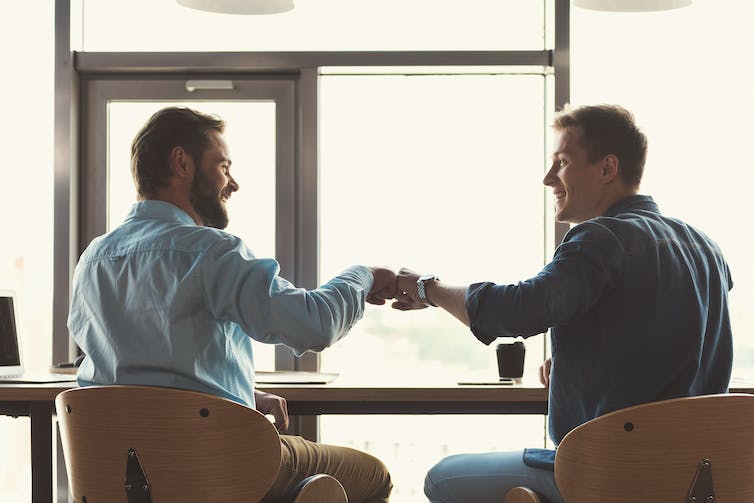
(549, 176)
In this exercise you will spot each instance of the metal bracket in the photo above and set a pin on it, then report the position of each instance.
(138, 488)
(702, 489)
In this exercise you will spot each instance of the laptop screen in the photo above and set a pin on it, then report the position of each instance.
(9, 354)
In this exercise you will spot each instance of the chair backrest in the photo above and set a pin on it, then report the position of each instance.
(652, 452)
(191, 446)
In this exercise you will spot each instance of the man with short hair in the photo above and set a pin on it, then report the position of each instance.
(170, 299)
(636, 303)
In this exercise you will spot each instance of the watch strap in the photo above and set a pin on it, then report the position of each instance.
(421, 289)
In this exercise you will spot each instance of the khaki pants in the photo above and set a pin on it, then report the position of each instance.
(364, 477)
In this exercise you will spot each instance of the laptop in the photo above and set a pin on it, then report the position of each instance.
(11, 361)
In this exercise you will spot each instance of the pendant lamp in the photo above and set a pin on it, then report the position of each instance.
(631, 5)
(239, 6)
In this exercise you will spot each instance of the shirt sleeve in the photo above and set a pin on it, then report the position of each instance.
(248, 291)
(584, 267)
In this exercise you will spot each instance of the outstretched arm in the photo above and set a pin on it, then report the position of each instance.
(451, 298)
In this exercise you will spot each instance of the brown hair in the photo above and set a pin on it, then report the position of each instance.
(608, 129)
(168, 128)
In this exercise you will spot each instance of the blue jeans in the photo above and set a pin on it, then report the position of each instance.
(485, 478)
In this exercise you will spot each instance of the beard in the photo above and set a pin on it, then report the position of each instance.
(207, 204)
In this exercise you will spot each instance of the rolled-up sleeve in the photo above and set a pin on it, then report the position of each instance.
(585, 265)
(249, 291)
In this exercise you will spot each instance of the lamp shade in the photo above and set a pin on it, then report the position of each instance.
(631, 5)
(239, 6)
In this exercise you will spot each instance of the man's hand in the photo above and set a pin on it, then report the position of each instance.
(267, 403)
(383, 287)
(407, 297)
(544, 373)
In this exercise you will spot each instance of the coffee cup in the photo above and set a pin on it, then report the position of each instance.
(510, 360)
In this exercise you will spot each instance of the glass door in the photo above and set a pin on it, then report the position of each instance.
(260, 134)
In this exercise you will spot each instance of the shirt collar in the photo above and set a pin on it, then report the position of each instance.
(632, 203)
(160, 210)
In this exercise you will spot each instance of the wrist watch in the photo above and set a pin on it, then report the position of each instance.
(421, 288)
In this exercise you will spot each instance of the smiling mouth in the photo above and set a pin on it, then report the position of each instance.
(559, 195)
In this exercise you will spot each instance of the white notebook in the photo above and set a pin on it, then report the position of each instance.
(293, 377)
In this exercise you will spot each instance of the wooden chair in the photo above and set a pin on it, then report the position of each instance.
(521, 495)
(698, 449)
(143, 444)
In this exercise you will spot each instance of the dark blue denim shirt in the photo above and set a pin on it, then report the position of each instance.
(637, 305)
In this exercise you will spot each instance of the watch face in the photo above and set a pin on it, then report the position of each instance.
(426, 277)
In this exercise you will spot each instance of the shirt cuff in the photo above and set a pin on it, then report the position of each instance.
(474, 296)
(363, 273)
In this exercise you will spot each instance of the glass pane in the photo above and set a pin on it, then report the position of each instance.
(317, 25)
(250, 134)
(26, 203)
(15, 460)
(440, 174)
(696, 113)
(410, 445)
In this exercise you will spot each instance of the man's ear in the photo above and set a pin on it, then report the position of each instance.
(181, 164)
(610, 165)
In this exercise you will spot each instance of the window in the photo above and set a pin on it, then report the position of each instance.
(691, 93)
(695, 104)
(442, 174)
(411, 445)
(254, 112)
(466, 135)
(438, 173)
(315, 25)
(250, 134)
(26, 203)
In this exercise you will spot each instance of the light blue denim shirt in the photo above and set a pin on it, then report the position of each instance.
(162, 301)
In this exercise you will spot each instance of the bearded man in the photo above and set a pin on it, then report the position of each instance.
(170, 299)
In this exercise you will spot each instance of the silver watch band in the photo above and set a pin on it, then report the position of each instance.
(421, 289)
